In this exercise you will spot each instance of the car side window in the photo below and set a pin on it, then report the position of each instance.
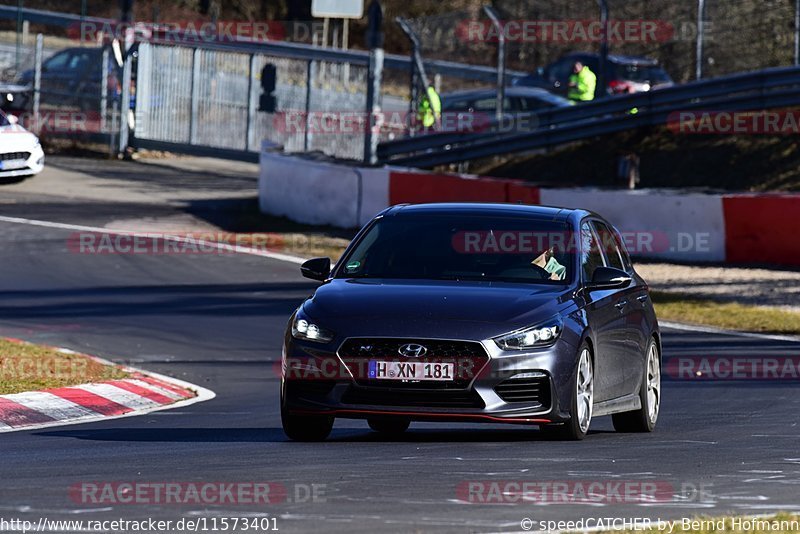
(591, 257)
(609, 245)
(58, 61)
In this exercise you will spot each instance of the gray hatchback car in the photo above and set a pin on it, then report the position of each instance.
(475, 312)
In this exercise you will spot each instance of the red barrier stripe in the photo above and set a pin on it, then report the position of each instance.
(762, 229)
(185, 393)
(142, 392)
(90, 400)
(16, 415)
(520, 192)
(417, 187)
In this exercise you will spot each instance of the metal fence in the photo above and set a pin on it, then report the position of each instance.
(209, 98)
(734, 35)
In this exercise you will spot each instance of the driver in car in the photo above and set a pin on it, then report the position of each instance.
(547, 261)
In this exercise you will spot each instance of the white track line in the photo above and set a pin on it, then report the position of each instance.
(180, 239)
(51, 405)
(712, 330)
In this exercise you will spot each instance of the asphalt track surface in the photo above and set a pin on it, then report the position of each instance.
(217, 321)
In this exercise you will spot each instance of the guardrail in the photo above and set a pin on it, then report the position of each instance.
(769, 88)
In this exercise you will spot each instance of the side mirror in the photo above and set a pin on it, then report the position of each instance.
(12, 119)
(316, 269)
(609, 278)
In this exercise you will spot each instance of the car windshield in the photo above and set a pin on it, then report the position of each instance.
(642, 73)
(462, 247)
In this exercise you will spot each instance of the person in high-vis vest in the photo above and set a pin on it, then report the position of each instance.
(430, 109)
(582, 83)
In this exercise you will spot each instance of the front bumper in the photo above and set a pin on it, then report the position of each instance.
(33, 163)
(497, 386)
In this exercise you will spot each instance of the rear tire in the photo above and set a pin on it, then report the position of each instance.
(306, 427)
(582, 401)
(389, 426)
(644, 419)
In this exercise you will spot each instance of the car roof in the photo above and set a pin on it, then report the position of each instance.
(495, 209)
(510, 91)
(618, 58)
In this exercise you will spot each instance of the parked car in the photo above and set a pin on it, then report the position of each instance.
(474, 312)
(517, 100)
(21, 153)
(520, 107)
(623, 74)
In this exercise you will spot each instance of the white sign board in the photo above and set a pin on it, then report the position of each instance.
(337, 9)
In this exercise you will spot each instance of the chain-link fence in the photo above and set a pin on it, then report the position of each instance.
(737, 35)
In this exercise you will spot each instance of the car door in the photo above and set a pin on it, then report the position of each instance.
(605, 318)
(632, 336)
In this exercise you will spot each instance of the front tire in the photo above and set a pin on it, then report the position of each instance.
(644, 419)
(582, 402)
(306, 427)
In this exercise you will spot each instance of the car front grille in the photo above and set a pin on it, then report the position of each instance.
(469, 358)
(407, 398)
(15, 155)
(533, 389)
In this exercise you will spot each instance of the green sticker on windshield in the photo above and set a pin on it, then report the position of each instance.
(352, 266)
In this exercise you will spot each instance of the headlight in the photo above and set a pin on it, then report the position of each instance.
(528, 338)
(303, 328)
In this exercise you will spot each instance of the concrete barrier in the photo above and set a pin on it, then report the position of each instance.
(681, 226)
(320, 192)
(667, 225)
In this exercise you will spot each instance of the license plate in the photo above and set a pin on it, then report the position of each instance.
(12, 164)
(411, 371)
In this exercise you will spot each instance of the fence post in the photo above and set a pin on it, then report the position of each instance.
(104, 92)
(601, 75)
(37, 82)
(701, 22)
(374, 80)
(501, 60)
(251, 105)
(193, 100)
(125, 102)
(310, 74)
(797, 32)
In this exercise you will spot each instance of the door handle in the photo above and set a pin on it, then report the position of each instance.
(621, 304)
(642, 298)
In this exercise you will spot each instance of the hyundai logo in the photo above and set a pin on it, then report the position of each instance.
(412, 350)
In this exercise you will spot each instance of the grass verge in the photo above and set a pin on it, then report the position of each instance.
(29, 367)
(687, 309)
